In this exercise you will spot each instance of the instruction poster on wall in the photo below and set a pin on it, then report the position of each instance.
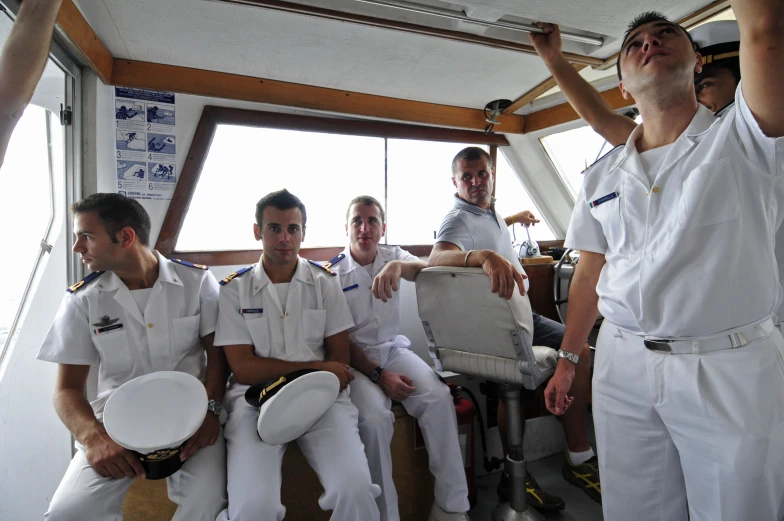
(145, 144)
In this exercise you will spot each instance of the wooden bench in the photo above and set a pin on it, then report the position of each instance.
(147, 500)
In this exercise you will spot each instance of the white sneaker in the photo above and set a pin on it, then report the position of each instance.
(438, 514)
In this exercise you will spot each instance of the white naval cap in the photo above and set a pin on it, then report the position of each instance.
(717, 40)
(291, 405)
(154, 415)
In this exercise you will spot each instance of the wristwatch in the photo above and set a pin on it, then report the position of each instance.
(215, 407)
(375, 374)
(573, 358)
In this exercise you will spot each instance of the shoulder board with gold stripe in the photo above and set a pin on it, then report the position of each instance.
(89, 278)
(334, 260)
(322, 267)
(235, 275)
(602, 158)
(190, 264)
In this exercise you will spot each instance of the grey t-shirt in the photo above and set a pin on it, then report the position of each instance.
(472, 228)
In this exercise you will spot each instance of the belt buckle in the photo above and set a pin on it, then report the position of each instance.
(660, 346)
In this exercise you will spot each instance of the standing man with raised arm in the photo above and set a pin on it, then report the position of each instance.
(472, 234)
(688, 378)
(22, 62)
(135, 314)
(714, 85)
(386, 369)
(278, 316)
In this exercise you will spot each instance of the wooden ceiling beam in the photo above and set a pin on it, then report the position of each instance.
(200, 82)
(81, 37)
(564, 112)
(320, 12)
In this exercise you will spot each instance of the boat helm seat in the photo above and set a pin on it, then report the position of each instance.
(472, 331)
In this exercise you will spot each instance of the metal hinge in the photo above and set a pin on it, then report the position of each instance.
(65, 115)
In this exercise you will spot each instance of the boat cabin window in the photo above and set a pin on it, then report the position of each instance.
(31, 179)
(412, 178)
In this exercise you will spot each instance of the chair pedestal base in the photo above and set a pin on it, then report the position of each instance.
(517, 508)
(504, 512)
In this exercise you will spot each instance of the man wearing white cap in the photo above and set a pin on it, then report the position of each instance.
(280, 315)
(715, 86)
(385, 369)
(136, 313)
(689, 371)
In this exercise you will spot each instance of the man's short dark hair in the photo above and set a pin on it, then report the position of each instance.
(367, 200)
(116, 212)
(282, 200)
(731, 64)
(471, 154)
(646, 18)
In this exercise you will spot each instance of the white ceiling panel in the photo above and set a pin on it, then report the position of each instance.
(304, 49)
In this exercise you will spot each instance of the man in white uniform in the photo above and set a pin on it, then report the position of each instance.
(135, 314)
(22, 62)
(385, 369)
(689, 370)
(277, 316)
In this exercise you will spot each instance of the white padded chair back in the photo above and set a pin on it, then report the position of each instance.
(471, 330)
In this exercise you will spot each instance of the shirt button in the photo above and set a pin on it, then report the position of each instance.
(655, 189)
(281, 317)
(287, 314)
(150, 325)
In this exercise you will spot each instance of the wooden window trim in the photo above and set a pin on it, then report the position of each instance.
(237, 257)
(213, 116)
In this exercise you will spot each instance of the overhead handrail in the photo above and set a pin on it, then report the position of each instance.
(459, 15)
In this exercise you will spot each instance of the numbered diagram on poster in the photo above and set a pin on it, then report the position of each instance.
(160, 114)
(161, 173)
(128, 110)
(131, 170)
(161, 143)
(130, 140)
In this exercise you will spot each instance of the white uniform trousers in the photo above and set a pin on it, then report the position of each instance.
(198, 489)
(432, 406)
(332, 447)
(702, 434)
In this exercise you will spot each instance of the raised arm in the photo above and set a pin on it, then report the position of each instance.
(22, 62)
(586, 101)
(70, 402)
(761, 56)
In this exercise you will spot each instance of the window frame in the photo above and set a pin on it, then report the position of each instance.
(72, 170)
(212, 116)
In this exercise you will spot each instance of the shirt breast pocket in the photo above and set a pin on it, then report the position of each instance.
(115, 352)
(186, 334)
(609, 215)
(709, 196)
(259, 332)
(314, 323)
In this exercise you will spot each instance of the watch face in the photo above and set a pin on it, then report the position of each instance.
(374, 375)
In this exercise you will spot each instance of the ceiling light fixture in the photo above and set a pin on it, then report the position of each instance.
(459, 15)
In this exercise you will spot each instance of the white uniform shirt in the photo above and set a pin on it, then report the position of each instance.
(375, 322)
(692, 255)
(183, 306)
(251, 313)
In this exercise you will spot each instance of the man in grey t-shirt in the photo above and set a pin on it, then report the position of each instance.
(472, 234)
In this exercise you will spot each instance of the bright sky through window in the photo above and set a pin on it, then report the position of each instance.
(326, 171)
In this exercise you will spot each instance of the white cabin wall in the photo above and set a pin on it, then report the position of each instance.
(35, 447)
